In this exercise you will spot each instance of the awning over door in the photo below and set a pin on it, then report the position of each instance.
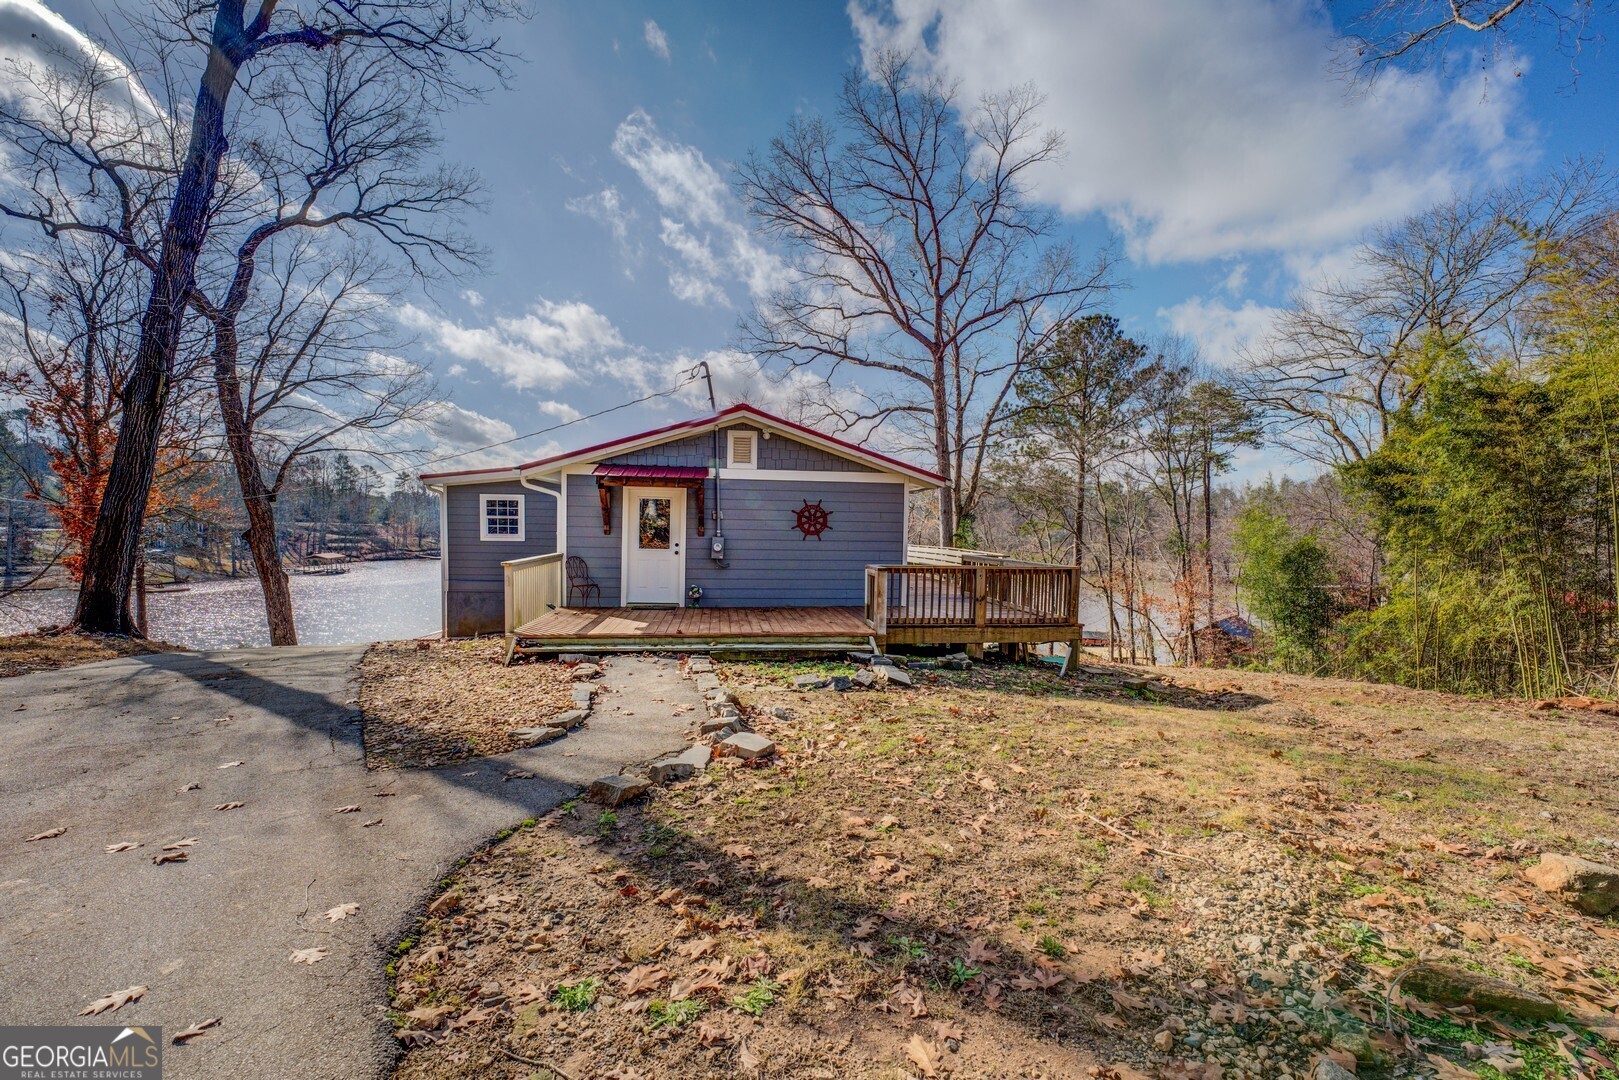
(690, 477)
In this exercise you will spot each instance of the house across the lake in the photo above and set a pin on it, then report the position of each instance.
(740, 528)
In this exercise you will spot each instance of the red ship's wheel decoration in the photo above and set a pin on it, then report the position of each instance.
(812, 519)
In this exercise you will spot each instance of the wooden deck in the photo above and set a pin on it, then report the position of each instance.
(585, 629)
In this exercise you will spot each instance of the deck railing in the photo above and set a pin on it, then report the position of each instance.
(533, 587)
(979, 598)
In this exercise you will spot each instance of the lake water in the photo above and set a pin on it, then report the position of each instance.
(373, 601)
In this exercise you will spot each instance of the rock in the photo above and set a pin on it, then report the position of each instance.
(1445, 985)
(700, 665)
(716, 723)
(721, 696)
(582, 696)
(747, 745)
(953, 664)
(895, 676)
(1164, 1041)
(865, 679)
(707, 683)
(861, 657)
(616, 790)
(726, 709)
(719, 735)
(841, 682)
(884, 661)
(575, 658)
(538, 736)
(1590, 886)
(681, 766)
(1360, 1044)
(955, 656)
(586, 671)
(810, 682)
(1328, 1069)
(780, 712)
(569, 720)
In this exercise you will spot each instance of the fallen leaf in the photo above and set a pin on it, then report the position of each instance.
(232, 764)
(127, 845)
(113, 1002)
(354, 809)
(341, 912)
(308, 956)
(926, 1054)
(46, 835)
(428, 1017)
(639, 980)
(190, 841)
(167, 856)
(1445, 1069)
(230, 806)
(196, 1029)
(193, 786)
(368, 824)
(747, 1058)
(738, 851)
(866, 927)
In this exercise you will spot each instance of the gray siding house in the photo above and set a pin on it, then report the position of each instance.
(741, 509)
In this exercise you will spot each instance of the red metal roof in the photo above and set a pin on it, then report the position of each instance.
(653, 472)
(704, 424)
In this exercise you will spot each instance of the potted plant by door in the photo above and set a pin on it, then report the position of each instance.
(694, 596)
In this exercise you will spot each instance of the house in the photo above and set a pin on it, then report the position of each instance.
(737, 529)
(792, 519)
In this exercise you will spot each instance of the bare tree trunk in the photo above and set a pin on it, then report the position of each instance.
(949, 494)
(140, 593)
(109, 562)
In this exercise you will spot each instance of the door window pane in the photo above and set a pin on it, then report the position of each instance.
(655, 515)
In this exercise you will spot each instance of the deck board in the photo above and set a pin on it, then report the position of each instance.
(584, 625)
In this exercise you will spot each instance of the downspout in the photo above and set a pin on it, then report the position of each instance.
(555, 493)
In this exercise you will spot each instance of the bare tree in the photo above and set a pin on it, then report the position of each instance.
(919, 258)
(342, 148)
(430, 42)
(1351, 352)
(1421, 32)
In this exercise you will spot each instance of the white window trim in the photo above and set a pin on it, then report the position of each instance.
(730, 450)
(522, 518)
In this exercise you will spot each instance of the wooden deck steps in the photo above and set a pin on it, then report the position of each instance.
(772, 629)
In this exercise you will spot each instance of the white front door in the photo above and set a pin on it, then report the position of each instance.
(654, 531)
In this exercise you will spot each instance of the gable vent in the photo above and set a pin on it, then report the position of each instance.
(742, 447)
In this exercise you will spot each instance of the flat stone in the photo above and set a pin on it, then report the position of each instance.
(1445, 985)
(719, 723)
(720, 696)
(586, 671)
(724, 708)
(781, 712)
(865, 679)
(884, 661)
(895, 676)
(721, 734)
(700, 665)
(747, 744)
(1328, 1069)
(956, 656)
(569, 720)
(840, 682)
(1590, 886)
(538, 736)
(810, 682)
(953, 664)
(582, 696)
(575, 658)
(681, 766)
(708, 681)
(617, 790)
(860, 657)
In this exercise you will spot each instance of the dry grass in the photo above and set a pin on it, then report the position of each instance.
(1027, 878)
(429, 703)
(23, 653)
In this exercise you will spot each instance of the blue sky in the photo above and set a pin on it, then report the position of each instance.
(1212, 142)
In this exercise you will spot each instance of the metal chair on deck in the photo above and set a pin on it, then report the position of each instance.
(580, 581)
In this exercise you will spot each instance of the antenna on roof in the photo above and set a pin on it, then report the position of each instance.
(703, 365)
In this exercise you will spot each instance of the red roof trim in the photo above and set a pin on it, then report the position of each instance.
(703, 424)
(650, 472)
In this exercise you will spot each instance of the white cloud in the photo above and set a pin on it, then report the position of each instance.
(33, 38)
(606, 207)
(543, 347)
(1220, 330)
(473, 297)
(455, 371)
(702, 225)
(460, 428)
(656, 39)
(1202, 130)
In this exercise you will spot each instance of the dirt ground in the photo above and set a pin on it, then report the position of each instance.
(429, 703)
(1003, 873)
(22, 653)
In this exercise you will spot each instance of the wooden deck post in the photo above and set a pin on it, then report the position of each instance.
(980, 612)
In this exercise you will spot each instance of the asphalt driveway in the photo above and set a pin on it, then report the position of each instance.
(110, 751)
